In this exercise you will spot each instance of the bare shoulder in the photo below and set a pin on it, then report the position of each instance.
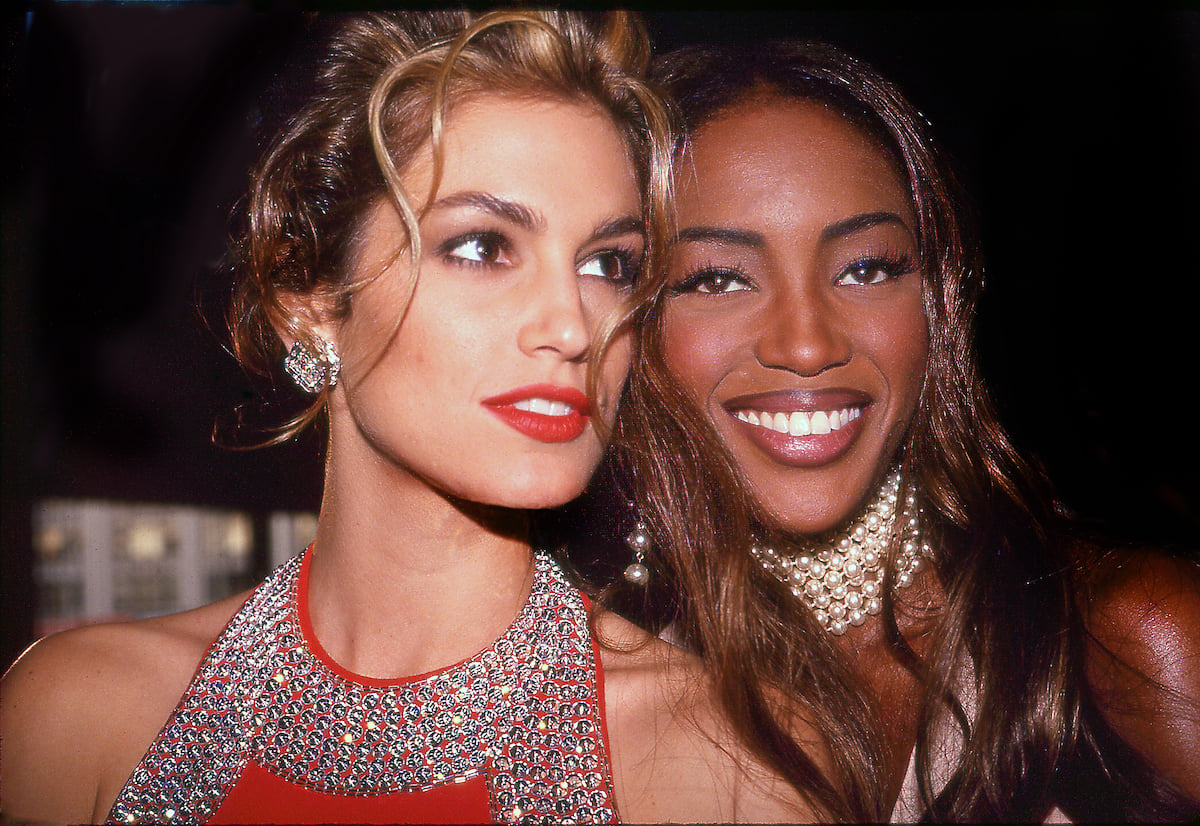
(675, 756)
(79, 708)
(1143, 616)
(1144, 607)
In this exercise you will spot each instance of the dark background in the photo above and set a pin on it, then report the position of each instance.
(129, 130)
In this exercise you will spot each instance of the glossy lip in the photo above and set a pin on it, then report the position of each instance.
(802, 451)
(540, 426)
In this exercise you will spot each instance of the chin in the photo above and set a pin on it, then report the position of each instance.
(802, 514)
(798, 525)
(534, 501)
(540, 493)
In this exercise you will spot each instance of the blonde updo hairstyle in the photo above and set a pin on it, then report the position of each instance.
(385, 85)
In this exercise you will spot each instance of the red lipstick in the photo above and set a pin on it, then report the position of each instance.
(548, 426)
(804, 449)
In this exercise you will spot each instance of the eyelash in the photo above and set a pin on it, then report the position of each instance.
(629, 264)
(629, 260)
(892, 265)
(697, 276)
(491, 236)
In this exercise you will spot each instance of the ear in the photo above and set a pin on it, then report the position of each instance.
(306, 315)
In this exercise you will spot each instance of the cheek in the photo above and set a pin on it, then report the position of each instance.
(601, 305)
(414, 352)
(692, 353)
(614, 370)
(442, 326)
(901, 343)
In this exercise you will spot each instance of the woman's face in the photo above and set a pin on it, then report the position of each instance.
(530, 241)
(794, 313)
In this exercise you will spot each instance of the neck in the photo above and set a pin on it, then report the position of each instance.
(406, 579)
(841, 575)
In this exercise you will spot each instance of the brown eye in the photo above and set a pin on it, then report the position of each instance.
(618, 266)
(713, 281)
(875, 270)
(864, 275)
(480, 248)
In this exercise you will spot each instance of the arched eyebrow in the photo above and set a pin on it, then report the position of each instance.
(625, 225)
(516, 213)
(858, 223)
(530, 219)
(748, 238)
(722, 235)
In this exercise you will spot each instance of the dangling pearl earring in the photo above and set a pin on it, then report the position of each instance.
(636, 573)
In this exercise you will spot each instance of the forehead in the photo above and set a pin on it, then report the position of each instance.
(780, 160)
(546, 140)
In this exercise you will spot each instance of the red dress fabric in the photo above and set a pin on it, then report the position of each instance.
(262, 796)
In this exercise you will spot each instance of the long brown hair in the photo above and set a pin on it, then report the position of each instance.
(1009, 607)
(384, 85)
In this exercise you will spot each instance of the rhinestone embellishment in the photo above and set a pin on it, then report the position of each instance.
(839, 576)
(524, 712)
(312, 367)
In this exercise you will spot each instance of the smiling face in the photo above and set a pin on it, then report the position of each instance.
(531, 240)
(794, 313)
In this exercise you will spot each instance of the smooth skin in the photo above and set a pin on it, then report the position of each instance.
(420, 558)
(794, 269)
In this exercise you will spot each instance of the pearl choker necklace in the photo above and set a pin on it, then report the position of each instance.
(839, 575)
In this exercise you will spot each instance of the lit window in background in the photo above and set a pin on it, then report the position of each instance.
(98, 560)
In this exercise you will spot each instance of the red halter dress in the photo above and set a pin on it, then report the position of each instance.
(271, 730)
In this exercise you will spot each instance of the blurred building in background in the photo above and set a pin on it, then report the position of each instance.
(101, 560)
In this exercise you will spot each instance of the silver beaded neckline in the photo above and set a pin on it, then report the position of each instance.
(524, 713)
(839, 575)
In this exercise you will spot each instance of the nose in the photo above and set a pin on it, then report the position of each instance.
(802, 332)
(554, 320)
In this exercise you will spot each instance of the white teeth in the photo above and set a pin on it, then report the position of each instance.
(800, 422)
(840, 418)
(544, 406)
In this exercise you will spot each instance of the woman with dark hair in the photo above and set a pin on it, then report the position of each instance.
(896, 612)
(441, 248)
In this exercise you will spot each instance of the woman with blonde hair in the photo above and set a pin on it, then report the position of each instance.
(442, 247)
